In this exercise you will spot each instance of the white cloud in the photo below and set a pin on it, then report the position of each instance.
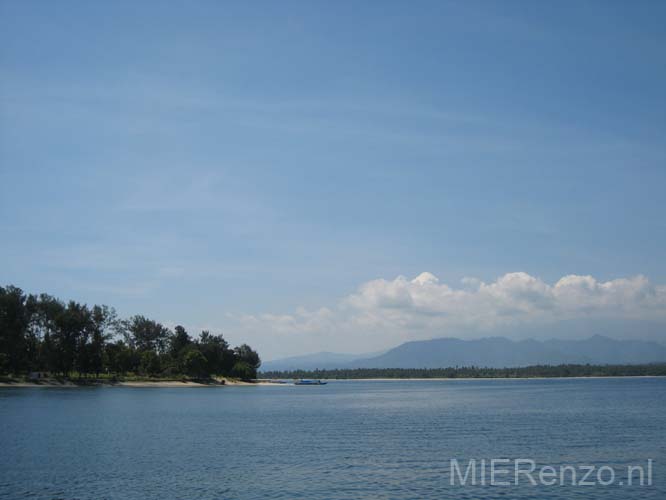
(382, 313)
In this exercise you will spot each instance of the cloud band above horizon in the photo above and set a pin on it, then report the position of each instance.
(382, 313)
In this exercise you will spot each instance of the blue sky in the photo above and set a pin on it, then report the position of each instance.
(208, 162)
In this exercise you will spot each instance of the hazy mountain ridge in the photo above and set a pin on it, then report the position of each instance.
(491, 352)
(320, 360)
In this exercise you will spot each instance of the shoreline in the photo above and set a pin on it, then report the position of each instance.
(421, 379)
(241, 383)
(51, 383)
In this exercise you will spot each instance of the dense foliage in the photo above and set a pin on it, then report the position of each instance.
(39, 333)
(475, 372)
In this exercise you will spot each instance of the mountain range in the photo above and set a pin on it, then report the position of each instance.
(320, 360)
(491, 352)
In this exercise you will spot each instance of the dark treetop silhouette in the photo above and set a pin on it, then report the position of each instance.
(40, 333)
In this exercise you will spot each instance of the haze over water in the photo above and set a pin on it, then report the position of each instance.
(352, 439)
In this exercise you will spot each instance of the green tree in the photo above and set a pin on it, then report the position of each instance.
(43, 326)
(14, 321)
(150, 363)
(145, 334)
(195, 363)
(244, 371)
(119, 357)
(71, 329)
(46, 334)
(245, 354)
(103, 322)
(178, 341)
(219, 357)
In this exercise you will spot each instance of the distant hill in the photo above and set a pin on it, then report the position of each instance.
(492, 352)
(319, 360)
(500, 352)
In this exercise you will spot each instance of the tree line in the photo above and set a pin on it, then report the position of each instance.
(40, 333)
(658, 369)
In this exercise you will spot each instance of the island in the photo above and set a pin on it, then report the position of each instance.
(46, 341)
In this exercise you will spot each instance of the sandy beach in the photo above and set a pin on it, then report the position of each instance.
(223, 382)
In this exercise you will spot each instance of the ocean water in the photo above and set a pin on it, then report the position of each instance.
(345, 440)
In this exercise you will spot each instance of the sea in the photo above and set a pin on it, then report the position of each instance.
(601, 438)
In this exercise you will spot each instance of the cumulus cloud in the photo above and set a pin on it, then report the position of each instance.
(513, 297)
(381, 313)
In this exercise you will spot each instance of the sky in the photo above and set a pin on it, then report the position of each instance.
(285, 173)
